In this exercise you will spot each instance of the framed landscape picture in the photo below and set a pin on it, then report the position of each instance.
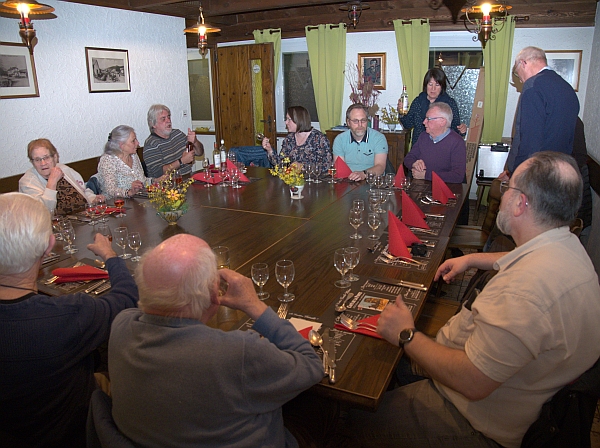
(107, 70)
(567, 63)
(17, 72)
(372, 67)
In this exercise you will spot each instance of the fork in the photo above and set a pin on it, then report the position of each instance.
(283, 310)
(348, 322)
(403, 259)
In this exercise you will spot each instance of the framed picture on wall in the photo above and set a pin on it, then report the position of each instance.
(107, 70)
(567, 63)
(372, 67)
(17, 72)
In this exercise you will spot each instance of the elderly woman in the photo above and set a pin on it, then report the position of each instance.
(59, 187)
(303, 143)
(120, 170)
(434, 90)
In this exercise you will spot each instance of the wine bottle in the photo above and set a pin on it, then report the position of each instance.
(217, 157)
(223, 151)
(404, 101)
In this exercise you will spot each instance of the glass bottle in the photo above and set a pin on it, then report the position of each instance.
(217, 157)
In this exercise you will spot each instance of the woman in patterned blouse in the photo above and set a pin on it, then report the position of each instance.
(120, 170)
(434, 89)
(303, 143)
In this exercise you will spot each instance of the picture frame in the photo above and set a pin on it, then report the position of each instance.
(17, 72)
(567, 63)
(107, 70)
(373, 66)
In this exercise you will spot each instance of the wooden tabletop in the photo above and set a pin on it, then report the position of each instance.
(261, 223)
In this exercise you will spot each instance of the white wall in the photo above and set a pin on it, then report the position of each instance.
(76, 121)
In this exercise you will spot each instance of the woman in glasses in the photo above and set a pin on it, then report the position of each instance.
(434, 90)
(303, 143)
(59, 187)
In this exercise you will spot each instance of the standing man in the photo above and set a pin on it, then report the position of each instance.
(165, 147)
(546, 113)
(532, 329)
(362, 148)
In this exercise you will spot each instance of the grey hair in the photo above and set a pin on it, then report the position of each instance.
(532, 54)
(116, 138)
(25, 231)
(553, 190)
(445, 111)
(356, 106)
(192, 292)
(153, 113)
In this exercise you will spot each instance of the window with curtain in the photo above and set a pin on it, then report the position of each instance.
(200, 89)
(297, 83)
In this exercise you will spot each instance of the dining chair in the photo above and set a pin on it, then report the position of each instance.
(101, 429)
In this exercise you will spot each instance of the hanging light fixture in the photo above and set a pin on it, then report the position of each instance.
(24, 9)
(354, 8)
(201, 29)
(480, 20)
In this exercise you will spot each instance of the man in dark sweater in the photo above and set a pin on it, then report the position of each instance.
(47, 343)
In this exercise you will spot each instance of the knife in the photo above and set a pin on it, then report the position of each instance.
(95, 285)
(102, 289)
(388, 281)
(330, 344)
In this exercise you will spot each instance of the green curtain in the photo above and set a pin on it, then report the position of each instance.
(272, 35)
(498, 64)
(327, 54)
(412, 41)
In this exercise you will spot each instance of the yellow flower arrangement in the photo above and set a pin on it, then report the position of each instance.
(166, 197)
(290, 173)
(389, 115)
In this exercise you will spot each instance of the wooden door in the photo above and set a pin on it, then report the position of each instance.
(245, 94)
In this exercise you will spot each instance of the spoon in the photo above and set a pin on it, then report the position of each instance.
(316, 340)
(340, 308)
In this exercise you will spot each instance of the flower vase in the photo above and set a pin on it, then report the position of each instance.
(171, 216)
(296, 191)
(392, 127)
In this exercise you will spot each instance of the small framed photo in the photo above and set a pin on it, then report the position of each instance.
(567, 63)
(107, 70)
(372, 67)
(17, 72)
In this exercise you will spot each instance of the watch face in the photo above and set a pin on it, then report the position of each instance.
(406, 335)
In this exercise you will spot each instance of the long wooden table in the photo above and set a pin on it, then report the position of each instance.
(261, 223)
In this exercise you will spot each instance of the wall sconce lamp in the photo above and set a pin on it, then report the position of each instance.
(354, 8)
(24, 9)
(201, 29)
(478, 20)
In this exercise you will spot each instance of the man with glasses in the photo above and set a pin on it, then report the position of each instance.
(362, 148)
(546, 113)
(532, 330)
(439, 149)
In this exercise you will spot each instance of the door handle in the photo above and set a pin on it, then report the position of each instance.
(268, 121)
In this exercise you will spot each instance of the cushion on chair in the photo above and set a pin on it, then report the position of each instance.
(251, 155)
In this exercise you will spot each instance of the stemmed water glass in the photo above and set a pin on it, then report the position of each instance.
(284, 272)
(331, 171)
(103, 229)
(224, 174)
(356, 219)
(339, 262)
(383, 197)
(374, 201)
(374, 222)
(101, 209)
(68, 234)
(316, 171)
(352, 257)
(90, 212)
(358, 204)
(260, 275)
(135, 242)
(56, 225)
(234, 173)
(405, 184)
(378, 181)
(207, 174)
(390, 179)
(310, 167)
(120, 237)
(370, 180)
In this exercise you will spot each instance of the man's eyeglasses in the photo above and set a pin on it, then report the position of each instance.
(504, 187)
(363, 121)
(41, 159)
(432, 118)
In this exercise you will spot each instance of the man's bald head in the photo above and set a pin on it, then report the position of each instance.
(177, 277)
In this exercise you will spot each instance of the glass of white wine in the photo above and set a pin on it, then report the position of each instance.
(374, 222)
(260, 275)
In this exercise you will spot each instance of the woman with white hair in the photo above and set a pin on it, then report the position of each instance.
(120, 170)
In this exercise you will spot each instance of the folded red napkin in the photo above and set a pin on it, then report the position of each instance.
(211, 180)
(439, 189)
(396, 244)
(79, 274)
(370, 320)
(399, 177)
(114, 210)
(304, 332)
(412, 215)
(342, 170)
(407, 236)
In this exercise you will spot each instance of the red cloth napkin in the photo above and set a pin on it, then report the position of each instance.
(412, 215)
(407, 236)
(342, 170)
(212, 180)
(231, 166)
(439, 189)
(79, 274)
(110, 210)
(396, 244)
(370, 320)
(304, 332)
(399, 177)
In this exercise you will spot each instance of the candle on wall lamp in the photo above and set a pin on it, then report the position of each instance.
(486, 9)
(24, 11)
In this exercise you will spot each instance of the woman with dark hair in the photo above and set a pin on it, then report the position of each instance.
(303, 144)
(434, 89)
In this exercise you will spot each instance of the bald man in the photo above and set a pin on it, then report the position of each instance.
(177, 382)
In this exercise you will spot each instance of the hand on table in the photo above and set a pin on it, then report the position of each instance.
(102, 247)
(240, 294)
(394, 318)
(357, 176)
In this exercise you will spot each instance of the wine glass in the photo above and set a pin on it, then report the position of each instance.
(120, 237)
(135, 242)
(232, 156)
(235, 177)
(390, 179)
(373, 200)
(260, 136)
(331, 171)
(358, 204)
(374, 222)
(56, 225)
(310, 167)
(316, 171)
(177, 178)
(260, 275)
(378, 181)
(356, 219)
(119, 203)
(207, 174)
(370, 180)
(352, 257)
(224, 174)
(405, 184)
(101, 209)
(339, 262)
(90, 212)
(383, 197)
(68, 234)
(284, 272)
(103, 229)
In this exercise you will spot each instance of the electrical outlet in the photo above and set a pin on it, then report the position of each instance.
(184, 113)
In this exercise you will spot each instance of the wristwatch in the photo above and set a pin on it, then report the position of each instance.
(406, 336)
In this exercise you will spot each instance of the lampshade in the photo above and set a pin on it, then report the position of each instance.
(201, 29)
